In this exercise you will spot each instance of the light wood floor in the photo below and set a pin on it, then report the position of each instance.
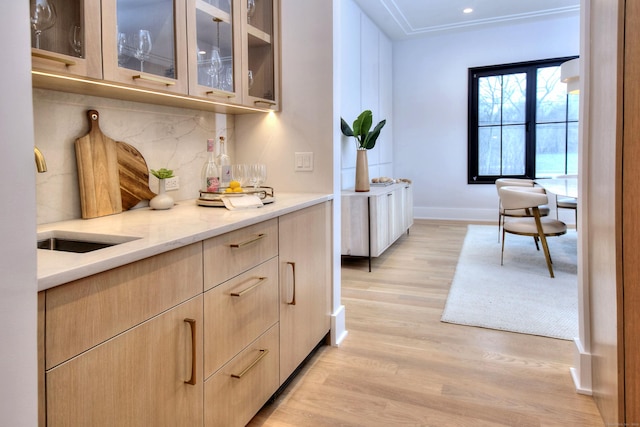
(401, 366)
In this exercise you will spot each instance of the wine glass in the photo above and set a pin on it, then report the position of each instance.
(239, 173)
(228, 78)
(251, 9)
(123, 53)
(143, 47)
(43, 17)
(75, 39)
(250, 78)
(261, 174)
(214, 67)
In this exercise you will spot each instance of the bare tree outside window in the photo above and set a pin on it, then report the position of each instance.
(522, 123)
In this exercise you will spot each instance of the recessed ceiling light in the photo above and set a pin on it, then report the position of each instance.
(467, 10)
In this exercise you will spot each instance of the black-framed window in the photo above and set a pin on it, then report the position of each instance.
(522, 123)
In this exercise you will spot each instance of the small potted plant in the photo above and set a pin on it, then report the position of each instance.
(162, 200)
(365, 140)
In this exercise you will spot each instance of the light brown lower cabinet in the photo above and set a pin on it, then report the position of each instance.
(202, 335)
(305, 278)
(139, 378)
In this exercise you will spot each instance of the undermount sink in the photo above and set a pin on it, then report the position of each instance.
(76, 242)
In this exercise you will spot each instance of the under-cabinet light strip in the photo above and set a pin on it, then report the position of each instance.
(151, 92)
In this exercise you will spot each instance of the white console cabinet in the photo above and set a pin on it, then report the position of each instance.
(372, 221)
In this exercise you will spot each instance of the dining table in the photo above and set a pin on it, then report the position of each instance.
(563, 187)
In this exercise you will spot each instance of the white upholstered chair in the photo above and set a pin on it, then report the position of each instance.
(530, 198)
(519, 213)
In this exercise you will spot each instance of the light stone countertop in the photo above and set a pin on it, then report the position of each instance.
(157, 232)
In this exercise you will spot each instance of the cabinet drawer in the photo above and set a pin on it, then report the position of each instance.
(231, 401)
(232, 253)
(237, 312)
(86, 312)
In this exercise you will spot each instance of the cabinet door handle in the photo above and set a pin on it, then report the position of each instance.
(263, 353)
(67, 62)
(261, 101)
(293, 271)
(247, 242)
(153, 79)
(192, 324)
(220, 93)
(250, 288)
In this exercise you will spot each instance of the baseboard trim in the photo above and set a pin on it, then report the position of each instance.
(581, 372)
(338, 328)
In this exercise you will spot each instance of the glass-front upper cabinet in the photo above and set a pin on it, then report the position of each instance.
(261, 60)
(144, 43)
(65, 37)
(213, 68)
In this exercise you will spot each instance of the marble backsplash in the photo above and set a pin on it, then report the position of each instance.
(167, 137)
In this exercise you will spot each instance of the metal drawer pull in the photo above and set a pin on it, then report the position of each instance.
(293, 270)
(249, 289)
(192, 324)
(246, 242)
(153, 79)
(263, 353)
(67, 62)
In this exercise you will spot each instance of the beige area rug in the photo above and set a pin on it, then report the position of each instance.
(518, 296)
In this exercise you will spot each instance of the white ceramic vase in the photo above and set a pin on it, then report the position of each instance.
(162, 200)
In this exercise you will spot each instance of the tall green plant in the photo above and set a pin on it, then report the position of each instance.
(365, 140)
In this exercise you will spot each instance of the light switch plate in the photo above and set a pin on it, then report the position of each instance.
(303, 161)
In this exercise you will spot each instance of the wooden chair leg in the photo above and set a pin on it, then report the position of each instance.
(502, 253)
(543, 240)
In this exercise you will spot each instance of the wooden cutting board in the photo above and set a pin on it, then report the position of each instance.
(98, 175)
(134, 176)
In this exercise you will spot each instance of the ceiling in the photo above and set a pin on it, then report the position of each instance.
(404, 19)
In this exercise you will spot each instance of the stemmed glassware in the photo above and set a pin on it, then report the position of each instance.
(250, 78)
(257, 175)
(261, 174)
(75, 39)
(123, 53)
(251, 10)
(43, 17)
(143, 47)
(228, 78)
(239, 173)
(214, 67)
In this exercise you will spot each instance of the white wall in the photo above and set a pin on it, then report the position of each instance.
(366, 79)
(430, 108)
(18, 309)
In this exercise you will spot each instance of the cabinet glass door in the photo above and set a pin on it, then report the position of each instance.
(212, 48)
(144, 43)
(146, 37)
(260, 74)
(60, 40)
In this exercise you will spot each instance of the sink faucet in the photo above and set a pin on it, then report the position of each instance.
(41, 165)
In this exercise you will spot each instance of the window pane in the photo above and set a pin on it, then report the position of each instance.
(514, 98)
(489, 150)
(572, 148)
(574, 99)
(551, 96)
(513, 150)
(489, 100)
(550, 149)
